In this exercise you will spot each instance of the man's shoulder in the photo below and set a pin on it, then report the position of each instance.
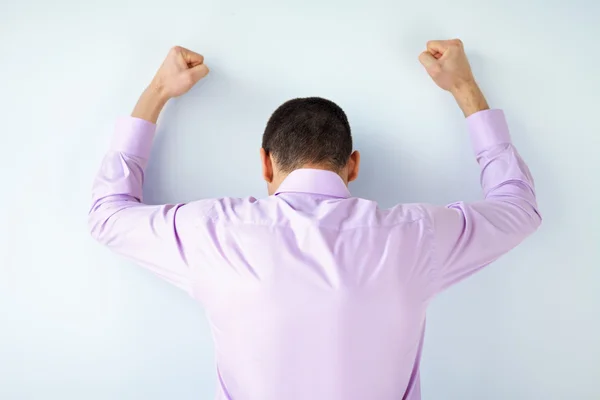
(356, 211)
(397, 214)
(222, 208)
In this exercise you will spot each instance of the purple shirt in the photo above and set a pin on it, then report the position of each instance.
(312, 293)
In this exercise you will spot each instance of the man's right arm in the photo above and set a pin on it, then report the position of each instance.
(469, 236)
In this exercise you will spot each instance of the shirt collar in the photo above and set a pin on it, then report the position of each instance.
(314, 181)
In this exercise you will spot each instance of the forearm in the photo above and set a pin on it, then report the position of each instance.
(502, 169)
(505, 178)
(118, 184)
(469, 236)
(469, 98)
(121, 173)
(150, 104)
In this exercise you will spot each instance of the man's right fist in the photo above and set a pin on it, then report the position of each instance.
(447, 64)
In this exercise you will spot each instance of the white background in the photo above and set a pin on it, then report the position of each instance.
(77, 322)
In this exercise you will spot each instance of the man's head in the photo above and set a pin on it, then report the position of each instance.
(307, 133)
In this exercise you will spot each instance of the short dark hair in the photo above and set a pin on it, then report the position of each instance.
(308, 130)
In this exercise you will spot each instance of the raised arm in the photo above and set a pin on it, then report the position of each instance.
(467, 237)
(152, 235)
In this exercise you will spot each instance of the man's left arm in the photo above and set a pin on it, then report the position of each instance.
(151, 235)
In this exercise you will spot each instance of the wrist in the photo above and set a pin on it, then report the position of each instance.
(463, 86)
(156, 90)
(150, 104)
(469, 98)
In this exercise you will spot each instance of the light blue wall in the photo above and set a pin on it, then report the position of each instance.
(76, 322)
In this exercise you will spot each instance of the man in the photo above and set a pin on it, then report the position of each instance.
(313, 294)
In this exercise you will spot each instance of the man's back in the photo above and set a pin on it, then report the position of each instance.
(315, 295)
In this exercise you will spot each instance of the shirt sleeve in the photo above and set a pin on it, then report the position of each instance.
(468, 237)
(151, 235)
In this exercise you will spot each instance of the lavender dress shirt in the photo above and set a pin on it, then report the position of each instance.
(313, 294)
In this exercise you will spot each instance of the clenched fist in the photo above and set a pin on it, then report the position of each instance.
(179, 72)
(446, 62)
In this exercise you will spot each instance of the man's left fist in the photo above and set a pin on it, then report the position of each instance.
(179, 72)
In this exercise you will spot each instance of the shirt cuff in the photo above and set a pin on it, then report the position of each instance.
(488, 128)
(133, 136)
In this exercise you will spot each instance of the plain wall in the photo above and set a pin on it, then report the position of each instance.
(77, 322)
